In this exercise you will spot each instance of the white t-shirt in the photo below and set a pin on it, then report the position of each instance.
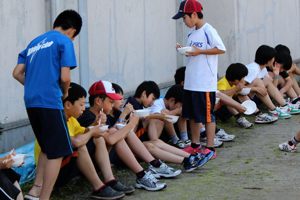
(254, 72)
(158, 106)
(201, 71)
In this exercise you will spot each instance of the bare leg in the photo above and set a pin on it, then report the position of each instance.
(102, 159)
(210, 133)
(166, 147)
(295, 85)
(126, 155)
(273, 91)
(20, 196)
(182, 126)
(195, 131)
(155, 128)
(169, 127)
(86, 166)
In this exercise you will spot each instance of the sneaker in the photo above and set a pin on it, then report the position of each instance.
(294, 108)
(191, 150)
(244, 123)
(208, 152)
(107, 193)
(280, 112)
(187, 142)
(164, 171)
(179, 144)
(148, 182)
(217, 142)
(192, 165)
(122, 188)
(29, 197)
(287, 147)
(222, 136)
(202, 161)
(265, 119)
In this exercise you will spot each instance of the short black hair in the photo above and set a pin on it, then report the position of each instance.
(264, 54)
(93, 97)
(200, 14)
(179, 75)
(149, 87)
(280, 48)
(176, 91)
(68, 19)
(75, 92)
(236, 71)
(285, 59)
(117, 88)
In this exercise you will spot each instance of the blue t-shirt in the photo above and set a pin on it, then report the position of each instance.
(43, 58)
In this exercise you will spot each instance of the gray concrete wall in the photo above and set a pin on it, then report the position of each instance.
(130, 41)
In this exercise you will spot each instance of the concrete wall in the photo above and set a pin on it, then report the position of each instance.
(130, 41)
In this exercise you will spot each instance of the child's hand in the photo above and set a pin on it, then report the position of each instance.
(97, 132)
(134, 118)
(242, 109)
(163, 117)
(6, 162)
(128, 109)
(179, 46)
(276, 68)
(262, 91)
(195, 52)
(103, 118)
(239, 87)
(178, 111)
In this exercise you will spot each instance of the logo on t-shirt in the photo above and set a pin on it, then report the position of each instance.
(197, 44)
(41, 45)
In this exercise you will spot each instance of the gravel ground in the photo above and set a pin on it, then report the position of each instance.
(250, 167)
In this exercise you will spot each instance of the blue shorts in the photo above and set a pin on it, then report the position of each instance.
(256, 100)
(198, 106)
(51, 131)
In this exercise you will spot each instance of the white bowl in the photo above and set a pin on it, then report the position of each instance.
(18, 158)
(183, 50)
(217, 100)
(143, 113)
(251, 107)
(245, 91)
(120, 126)
(104, 128)
(174, 118)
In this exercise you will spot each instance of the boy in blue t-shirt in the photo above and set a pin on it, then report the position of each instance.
(200, 83)
(45, 65)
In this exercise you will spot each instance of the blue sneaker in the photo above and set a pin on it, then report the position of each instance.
(202, 162)
(192, 164)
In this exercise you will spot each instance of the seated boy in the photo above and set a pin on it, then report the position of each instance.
(163, 152)
(291, 145)
(102, 97)
(262, 85)
(9, 180)
(291, 71)
(80, 160)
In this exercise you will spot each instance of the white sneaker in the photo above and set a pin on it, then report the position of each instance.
(286, 147)
(222, 136)
(217, 143)
(265, 119)
(148, 182)
(164, 171)
(280, 112)
(244, 123)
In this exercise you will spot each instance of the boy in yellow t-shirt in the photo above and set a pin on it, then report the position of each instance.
(231, 85)
(80, 160)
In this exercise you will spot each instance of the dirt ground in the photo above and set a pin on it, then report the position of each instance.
(250, 167)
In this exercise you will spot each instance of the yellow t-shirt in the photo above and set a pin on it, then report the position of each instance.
(74, 129)
(223, 84)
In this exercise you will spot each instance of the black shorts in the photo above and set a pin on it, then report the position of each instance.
(223, 113)
(7, 179)
(198, 106)
(51, 131)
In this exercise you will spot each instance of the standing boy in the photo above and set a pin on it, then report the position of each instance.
(45, 65)
(201, 73)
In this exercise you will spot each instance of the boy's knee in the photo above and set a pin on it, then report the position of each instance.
(258, 82)
(149, 146)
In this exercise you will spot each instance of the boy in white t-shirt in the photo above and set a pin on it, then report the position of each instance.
(171, 104)
(201, 73)
(262, 86)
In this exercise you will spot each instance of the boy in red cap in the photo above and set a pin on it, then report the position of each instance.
(200, 84)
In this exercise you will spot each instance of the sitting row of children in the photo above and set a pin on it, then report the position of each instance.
(91, 143)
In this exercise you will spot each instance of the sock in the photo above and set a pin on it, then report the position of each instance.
(184, 136)
(102, 187)
(237, 116)
(257, 113)
(174, 139)
(195, 145)
(295, 100)
(112, 182)
(185, 161)
(140, 174)
(285, 105)
(155, 163)
(202, 132)
(293, 141)
(211, 148)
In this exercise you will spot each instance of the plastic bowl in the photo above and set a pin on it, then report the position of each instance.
(143, 113)
(174, 118)
(183, 50)
(120, 126)
(18, 158)
(217, 100)
(251, 107)
(104, 128)
(245, 91)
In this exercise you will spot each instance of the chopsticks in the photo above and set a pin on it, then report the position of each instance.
(100, 117)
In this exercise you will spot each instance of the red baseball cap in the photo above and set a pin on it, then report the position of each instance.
(188, 6)
(104, 87)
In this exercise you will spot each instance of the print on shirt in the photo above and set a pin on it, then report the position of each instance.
(41, 45)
